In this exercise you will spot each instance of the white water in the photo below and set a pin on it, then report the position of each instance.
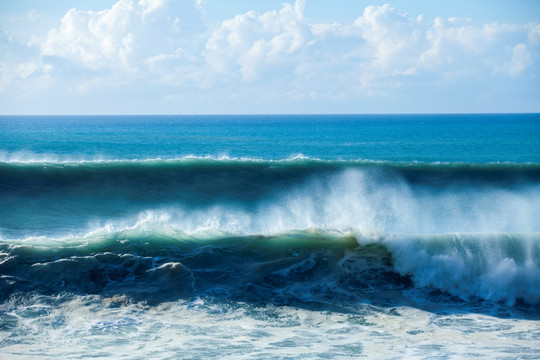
(114, 328)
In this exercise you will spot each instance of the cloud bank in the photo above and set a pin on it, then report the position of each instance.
(273, 57)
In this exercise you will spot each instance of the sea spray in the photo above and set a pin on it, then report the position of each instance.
(265, 197)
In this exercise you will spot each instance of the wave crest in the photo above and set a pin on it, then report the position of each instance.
(492, 266)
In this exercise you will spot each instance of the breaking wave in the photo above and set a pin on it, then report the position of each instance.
(290, 231)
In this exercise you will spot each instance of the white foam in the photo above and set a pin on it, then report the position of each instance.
(499, 267)
(29, 157)
(115, 328)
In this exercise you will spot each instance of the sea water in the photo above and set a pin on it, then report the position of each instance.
(291, 236)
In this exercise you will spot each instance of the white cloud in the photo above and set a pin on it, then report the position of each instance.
(124, 36)
(27, 69)
(25, 78)
(376, 52)
(393, 39)
(199, 4)
(381, 46)
(278, 55)
(250, 41)
(534, 34)
(21, 67)
(521, 59)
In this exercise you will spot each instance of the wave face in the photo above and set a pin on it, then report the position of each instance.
(265, 197)
(288, 231)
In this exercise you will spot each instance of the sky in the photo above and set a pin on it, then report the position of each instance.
(259, 57)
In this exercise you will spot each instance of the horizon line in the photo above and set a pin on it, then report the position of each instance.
(285, 114)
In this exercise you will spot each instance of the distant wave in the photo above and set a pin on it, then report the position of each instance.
(27, 157)
(488, 171)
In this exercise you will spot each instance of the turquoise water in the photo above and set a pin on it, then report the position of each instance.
(427, 138)
(286, 236)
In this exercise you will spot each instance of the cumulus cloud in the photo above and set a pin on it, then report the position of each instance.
(393, 40)
(521, 59)
(279, 54)
(250, 41)
(381, 47)
(398, 44)
(124, 37)
(376, 51)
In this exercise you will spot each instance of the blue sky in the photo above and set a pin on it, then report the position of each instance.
(312, 56)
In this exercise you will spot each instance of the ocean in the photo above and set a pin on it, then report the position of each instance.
(270, 236)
